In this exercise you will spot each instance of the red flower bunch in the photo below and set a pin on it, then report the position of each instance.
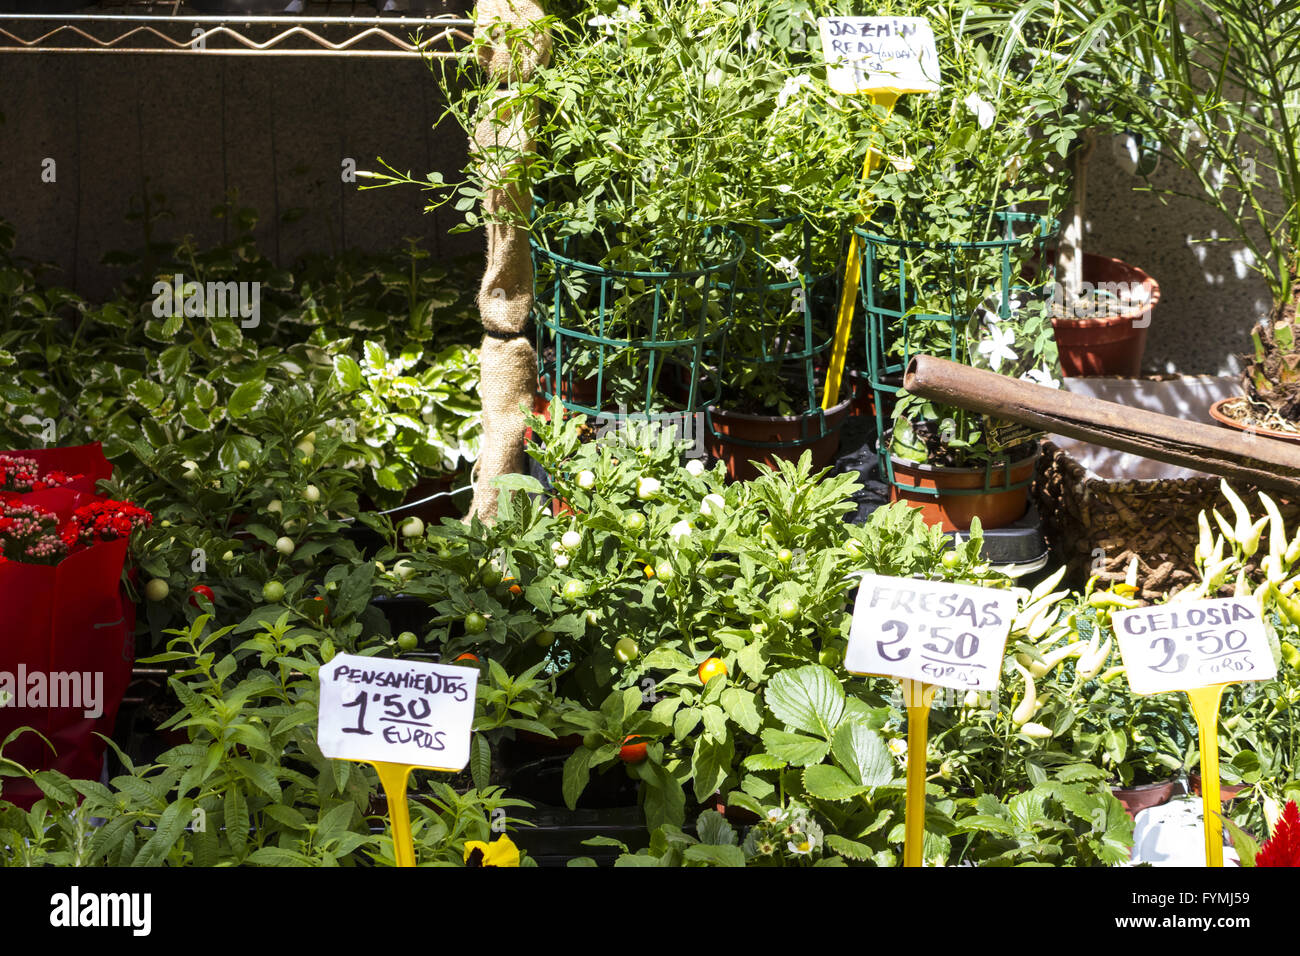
(32, 534)
(104, 521)
(1283, 847)
(21, 475)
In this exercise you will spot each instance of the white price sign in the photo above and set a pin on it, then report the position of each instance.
(948, 634)
(1197, 644)
(402, 712)
(879, 53)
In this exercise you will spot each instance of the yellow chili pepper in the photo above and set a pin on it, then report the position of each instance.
(1206, 543)
(1276, 528)
(1226, 528)
(1250, 543)
(1239, 510)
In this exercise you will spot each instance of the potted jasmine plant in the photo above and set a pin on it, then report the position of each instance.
(954, 248)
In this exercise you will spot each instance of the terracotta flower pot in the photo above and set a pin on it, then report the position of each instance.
(999, 506)
(862, 397)
(782, 437)
(1217, 413)
(1107, 345)
(1147, 795)
(1227, 791)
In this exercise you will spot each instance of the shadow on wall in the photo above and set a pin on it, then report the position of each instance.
(1209, 295)
(85, 140)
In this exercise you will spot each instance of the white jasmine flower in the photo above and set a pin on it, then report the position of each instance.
(982, 109)
(790, 88)
(1040, 376)
(998, 346)
(788, 266)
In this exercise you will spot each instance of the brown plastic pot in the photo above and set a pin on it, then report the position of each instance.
(1227, 791)
(996, 508)
(1107, 345)
(1216, 412)
(781, 434)
(1145, 796)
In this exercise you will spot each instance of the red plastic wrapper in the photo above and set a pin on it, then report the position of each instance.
(66, 642)
(85, 460)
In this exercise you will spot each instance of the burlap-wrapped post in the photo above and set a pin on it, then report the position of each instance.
(508, 363)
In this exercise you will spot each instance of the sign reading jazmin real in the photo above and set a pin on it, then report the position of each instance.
(879, 53)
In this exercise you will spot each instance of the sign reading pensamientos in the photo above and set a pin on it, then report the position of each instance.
(948, 634)
(401, 712)
(879, 53)
(1197, 644)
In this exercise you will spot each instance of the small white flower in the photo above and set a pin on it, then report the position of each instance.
(586, 479)
(681, 529)
(998, 346)
(571, 540)
(755, 39)
(898, 747)
(802, 848)
(561, 561)
(783, 188)
(788, 266)
(775, 815)
(790, 88)
(695, 468)
(1040, 376)
(647, 488)
(982, 109)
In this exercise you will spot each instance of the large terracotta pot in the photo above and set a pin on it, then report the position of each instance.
(782, 436)
(1107, 345)
(999, 506)
(1144, 796)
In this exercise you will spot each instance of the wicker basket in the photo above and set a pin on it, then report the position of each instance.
(1096, 525)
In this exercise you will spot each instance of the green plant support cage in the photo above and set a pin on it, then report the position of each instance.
(820, 293)
(683, 315)
(888, 292)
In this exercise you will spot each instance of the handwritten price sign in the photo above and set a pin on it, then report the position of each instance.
(401, 712)
(877, 53)
(1197, 644)
(952, 635)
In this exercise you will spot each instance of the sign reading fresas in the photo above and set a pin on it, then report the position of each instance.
(401, 712)
(1197, 644)
(879, 53)
(941, 633)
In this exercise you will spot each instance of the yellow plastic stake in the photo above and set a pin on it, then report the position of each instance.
(853, 270)
(393, 777)
(1205, 708)
(917, 697)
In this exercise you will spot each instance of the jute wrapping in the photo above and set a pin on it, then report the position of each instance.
(514, 51)
(508, 363)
